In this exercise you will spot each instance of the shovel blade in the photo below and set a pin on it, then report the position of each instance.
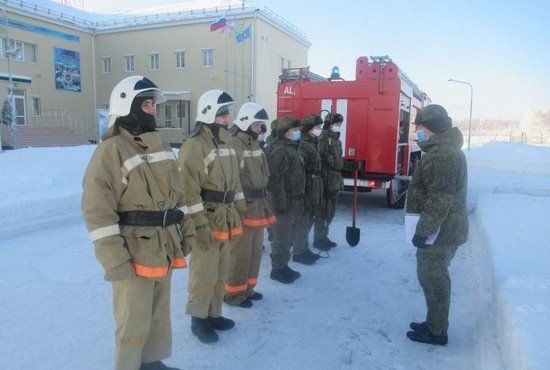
(353, 235)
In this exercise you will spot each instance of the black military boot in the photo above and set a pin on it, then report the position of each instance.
(322, 244)
(292, 272)
(418, 326)
(306, 258)
(426, 336)
(330, 242)
(221, 323)
(282, 275)
(157, 365)
(247, 303)
(202, 329)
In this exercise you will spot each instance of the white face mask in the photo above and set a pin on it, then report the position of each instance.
(316, 132)
(335, 128)
(261, 137)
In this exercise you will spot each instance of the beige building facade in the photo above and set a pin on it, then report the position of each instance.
(64, 65)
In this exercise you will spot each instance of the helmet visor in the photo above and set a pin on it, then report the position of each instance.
(157, 96)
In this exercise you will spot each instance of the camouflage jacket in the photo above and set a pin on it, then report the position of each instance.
(330, 150)
(287, 178)
(254, 176)
(307, 147)
(438, 189)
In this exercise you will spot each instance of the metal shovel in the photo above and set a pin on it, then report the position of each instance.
(353, 234)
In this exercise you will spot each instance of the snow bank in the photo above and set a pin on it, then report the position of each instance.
(511, 249)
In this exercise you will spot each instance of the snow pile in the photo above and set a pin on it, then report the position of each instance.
(512, 227)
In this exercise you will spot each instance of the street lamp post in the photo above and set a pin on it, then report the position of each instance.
(9, 54)
(471, 101)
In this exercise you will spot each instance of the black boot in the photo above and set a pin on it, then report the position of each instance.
(282, 275)
(322, 244)
(330, 242)
(418, 326)
(221, 323)
(292, 272)
(247, 303)
(203, 330)
(157, 365)
(426, 336)
(306, 258)
(256, 296)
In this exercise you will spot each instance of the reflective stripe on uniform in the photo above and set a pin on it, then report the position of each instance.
(235, 289)
(178, 263)
(138, 159)
(195, 208)
(225, 235)
(183, 209)
(251, 281)
(211, 157)
(103, 232)
(259, 222)
(151, 272)
(239, 196)
(251, 154)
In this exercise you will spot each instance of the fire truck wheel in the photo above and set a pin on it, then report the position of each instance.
(397, 193)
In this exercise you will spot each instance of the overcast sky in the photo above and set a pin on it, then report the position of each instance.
(501, 47)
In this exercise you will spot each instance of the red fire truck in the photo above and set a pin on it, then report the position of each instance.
(378, 107)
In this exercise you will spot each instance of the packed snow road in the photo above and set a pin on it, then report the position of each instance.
(349, 311)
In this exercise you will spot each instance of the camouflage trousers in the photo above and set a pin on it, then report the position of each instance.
(244, 265)
(142, 314)
(285, 233)
(207, 272)
(303, 227)
(432, 268)
(323, 217)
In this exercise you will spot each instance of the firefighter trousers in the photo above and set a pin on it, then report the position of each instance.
(142, 313)
(432, 267)
(323, 218)
(207, 271)
(244, 266)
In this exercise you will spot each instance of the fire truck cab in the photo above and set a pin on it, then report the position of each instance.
(378, 107)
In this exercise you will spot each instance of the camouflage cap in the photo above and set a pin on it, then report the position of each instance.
(285, 124)
(434, 117)
(332, 118)
(310, 121)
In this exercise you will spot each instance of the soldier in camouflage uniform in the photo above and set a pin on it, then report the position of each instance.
(330, 150)
(286, 186)
(311, 129)
(437, 193)
(269, 143)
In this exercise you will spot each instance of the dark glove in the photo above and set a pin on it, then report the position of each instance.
(419, 241)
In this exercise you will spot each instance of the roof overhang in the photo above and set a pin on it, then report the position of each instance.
(177, 95)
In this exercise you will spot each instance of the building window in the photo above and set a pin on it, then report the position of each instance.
(21, 50)
(106, 64)
(36, 107)
(208, 57)
(180, 59)
(154, 61)
(180, 110)
(129, 63)
(167, 115)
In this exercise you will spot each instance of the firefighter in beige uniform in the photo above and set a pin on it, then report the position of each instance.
(134, 207)
(246, 253)
(216, 204)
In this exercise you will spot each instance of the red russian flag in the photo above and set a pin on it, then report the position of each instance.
(218, 25)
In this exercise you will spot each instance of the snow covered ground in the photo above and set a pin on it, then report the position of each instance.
(350, 311)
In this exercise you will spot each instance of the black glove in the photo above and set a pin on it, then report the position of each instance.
(419, 241)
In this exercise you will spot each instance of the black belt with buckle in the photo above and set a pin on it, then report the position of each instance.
(150, 218)
(215, 196)
(255, 193)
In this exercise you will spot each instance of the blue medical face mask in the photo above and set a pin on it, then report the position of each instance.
(295, 136)
(421, 135)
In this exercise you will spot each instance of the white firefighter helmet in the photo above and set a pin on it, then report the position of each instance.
(250, 113)
(209, 104)
(126, 90)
